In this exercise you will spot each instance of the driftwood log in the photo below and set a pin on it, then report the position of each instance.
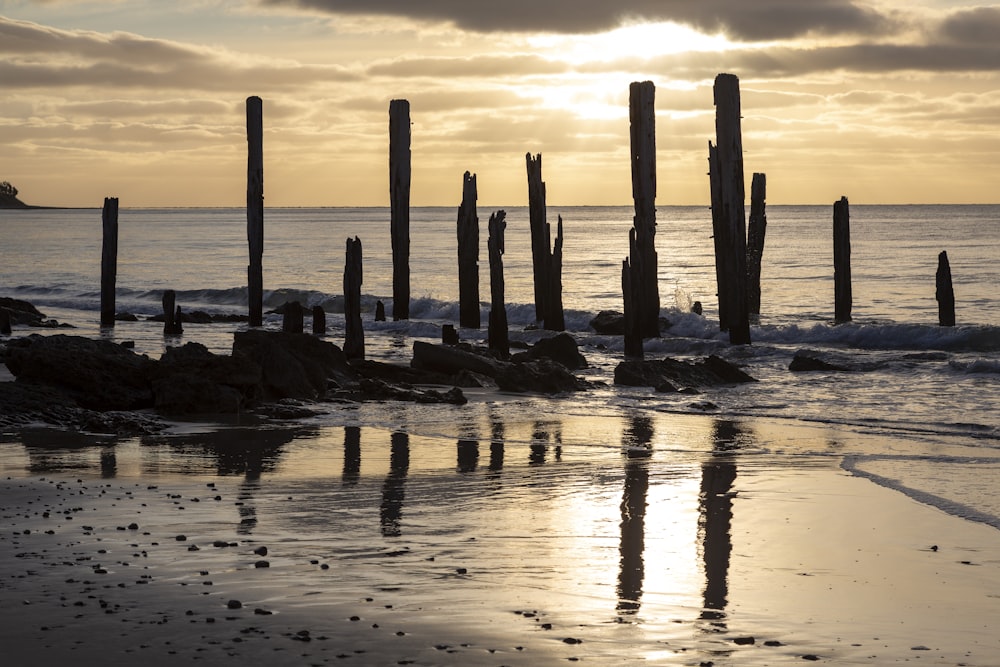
(842, 299)
(399, 199)
(756, 230)
(497, 332)
(642, 248)
(945, 292)
(255, 209)
(109, 261)
(468, 255)
(354, 335)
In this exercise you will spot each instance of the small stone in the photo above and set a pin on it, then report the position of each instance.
(234, 604)
(744, 641)
(260, 551)
(572, 640)
(181, 538)
(261, 563)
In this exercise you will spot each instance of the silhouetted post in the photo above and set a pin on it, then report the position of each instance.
(449, 334)
(539, 234)
(255, 209)
(633, 334)
(643, 261)
(354, 336)
(842, 299)
(109, 261)
(171, 314)
(497, 332)
(729, 221)
(756, 229)
(292, 318)
(555, 319)
(468, 255)
(945, 293)
(5, 322)
(379, 311)
(399, 199)
(319, 321)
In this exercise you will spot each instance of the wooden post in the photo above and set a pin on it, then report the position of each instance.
(633, 334)
(731, 196)
(719, 237)
(468, 255)
(539, 235)
(843, 300)
(292, 318)
(5, 322)
(109, 261)
(555, 320)
(399, 200)
(449, 335)
(379, 311)
(756, 229)
(945, 293)
(354, 335)
(497, 332)
(171, 314)
(255, 209)
(319, 321)
(642, 136)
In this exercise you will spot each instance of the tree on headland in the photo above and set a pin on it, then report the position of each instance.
(8, 196)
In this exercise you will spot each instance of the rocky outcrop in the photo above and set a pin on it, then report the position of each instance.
(293, 365)
(812, 360)
(561, 348)
(192, 380)
(671, 374)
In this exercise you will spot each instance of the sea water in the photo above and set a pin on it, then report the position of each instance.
(935, 388)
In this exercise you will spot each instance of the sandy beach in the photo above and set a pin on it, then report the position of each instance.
(759, 549)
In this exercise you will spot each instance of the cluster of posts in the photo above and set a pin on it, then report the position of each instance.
(739, 246)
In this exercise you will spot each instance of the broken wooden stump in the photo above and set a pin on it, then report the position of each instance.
(379, 311)
(354, 334)
(255, 210)
(728, 210)
(555, 318)
(449, 335)
(945, 293)
(630, 297)
(5, 329)
(109, 261)
(292, 317)
(642, 250)
(399, 199)
(497, 334)
(843, 299)
(319, 321)
(756, 230)
(546, 260)
(171, 314)
(468, 255)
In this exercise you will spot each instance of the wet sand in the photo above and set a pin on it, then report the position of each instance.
(546, 556)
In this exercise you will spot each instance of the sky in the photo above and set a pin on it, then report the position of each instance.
(882, 101)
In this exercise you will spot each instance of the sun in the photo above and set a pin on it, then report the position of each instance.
(635, 41)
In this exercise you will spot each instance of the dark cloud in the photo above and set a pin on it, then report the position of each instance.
(972, 26)
(740, 19)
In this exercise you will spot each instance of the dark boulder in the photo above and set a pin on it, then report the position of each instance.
(665, 373)
(191, 380)
(449, 359)
(561, 348)
(97, 374)
(542, 376)
(21, 312)
(811, 360)
(293, 365)
(609, 322)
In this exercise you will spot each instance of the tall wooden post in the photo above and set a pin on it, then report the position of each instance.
(354, 336)
(468, 255)
(255, 209)
(319, 321)
(643, 262)
(633, 334)
(730, 196)
(292, 319)
(399, 200)
(756, 229)
(109, 261)
(945, 293)
(497, 332)
(555, 319)
(539, 234)
(171, 314)
(843, 299)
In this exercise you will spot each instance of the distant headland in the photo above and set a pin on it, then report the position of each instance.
(8, 198)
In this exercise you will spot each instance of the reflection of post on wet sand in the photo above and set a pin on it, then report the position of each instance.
(498, 433)
(109, 463)
(468, 455)
(718, 474)
(393, 493)
(541, 435)
(352, 455)
(638, 433)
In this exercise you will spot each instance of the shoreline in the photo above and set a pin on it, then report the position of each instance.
(490, 564)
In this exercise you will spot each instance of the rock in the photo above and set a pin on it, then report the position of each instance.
(709, 372)
(294, 365)
(609, 322)
(808, 360)
(450, 360)
(728, 372)
(542, 376)
(97, 374)
(372, 389)
(20, 312)
(561, 347)
(191, 380)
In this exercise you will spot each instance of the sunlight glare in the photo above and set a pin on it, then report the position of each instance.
(640, 40)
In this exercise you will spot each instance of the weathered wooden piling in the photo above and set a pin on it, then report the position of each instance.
(756, 230)
(379, 311)
(468, 255)
(292, 317)
(5, 329)
(633, 332)
(497, 335)
(449, 334)
(109, 261)
(354, 334)
(171, 314)
(399, 200)
(643, 261)
(728, 210)
(842, 297)
(539, 238)
(945, 292)
(555, 319)
(255, 209)
(319, 321)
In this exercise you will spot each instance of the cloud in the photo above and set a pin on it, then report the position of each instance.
(740, 19)
(978, 26)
